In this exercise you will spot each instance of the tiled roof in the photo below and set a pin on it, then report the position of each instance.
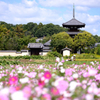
(66, 49)
(73, 22)
(35, 45)
(72, 33)
(24, 50)
(96, 44)
(46, 48)
(47, 43)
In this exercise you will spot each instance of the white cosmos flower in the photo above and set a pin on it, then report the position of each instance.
(72, 86)
(20, 68)
(35, 98)
(75, 75)
(4, 91)
(89, 97)
(58, 59)
(62, 70)
(92, 63)
(59, 64)
(45, 90)
(66, 94)
(24, 80)
(41, 67)
(18, 95)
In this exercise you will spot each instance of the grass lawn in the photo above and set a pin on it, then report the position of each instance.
(51, 61)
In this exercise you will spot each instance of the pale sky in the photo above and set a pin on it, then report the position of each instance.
(52, 11)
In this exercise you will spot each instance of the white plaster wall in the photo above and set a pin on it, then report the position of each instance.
(14, 54)
(25, 53)
(43, 53)
(66, 53)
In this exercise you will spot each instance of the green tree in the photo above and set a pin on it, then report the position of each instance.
(49, 30)
(61, 40)
(18, 30)
(83, 40)
(12, 44)
(97, 38)
(3, 35)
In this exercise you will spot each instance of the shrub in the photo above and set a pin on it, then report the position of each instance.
(54, 54)
(86, 56)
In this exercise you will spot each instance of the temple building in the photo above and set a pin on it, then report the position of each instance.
(39, 48)
(73, 25)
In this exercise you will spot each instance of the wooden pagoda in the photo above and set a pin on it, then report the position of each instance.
(73, 25)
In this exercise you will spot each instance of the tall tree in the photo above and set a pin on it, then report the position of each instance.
(18, 30)
(61, 40)
(3, 35)
(83, 40)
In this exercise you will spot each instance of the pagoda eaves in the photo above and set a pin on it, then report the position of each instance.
(73, 22)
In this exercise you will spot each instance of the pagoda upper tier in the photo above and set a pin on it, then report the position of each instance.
(73, 25)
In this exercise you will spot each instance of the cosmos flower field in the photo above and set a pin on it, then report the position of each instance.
(48, 82)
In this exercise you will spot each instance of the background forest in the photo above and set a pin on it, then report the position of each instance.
(17, 37)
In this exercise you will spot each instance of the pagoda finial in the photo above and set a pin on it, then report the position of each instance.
(73, 11)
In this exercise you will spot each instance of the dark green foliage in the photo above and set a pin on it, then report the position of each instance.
(17, 37)
(45, 39)
(22, 57)
(83, 40)
(49, 29)
(4, 62)
(96, 50)
(97, 38)
(60, 41)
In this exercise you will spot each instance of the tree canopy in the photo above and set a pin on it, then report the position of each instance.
(17, 37)
(60, 41)
(83, 40)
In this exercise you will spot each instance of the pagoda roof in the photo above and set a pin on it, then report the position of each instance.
(73, 22)
(73, 33)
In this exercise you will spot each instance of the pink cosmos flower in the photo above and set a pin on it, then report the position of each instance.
(54, 91)
(14, 89)
(13, 80)
(47, 75)
(85, 74)
(32, 74)
(38, 91)
(68, 72)
(27, 91)
(99, 67)
(97, 77)
(41, 83)
(46, 97)
(62, 85)
(3, 97)
(62, 60)
(70, 78)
